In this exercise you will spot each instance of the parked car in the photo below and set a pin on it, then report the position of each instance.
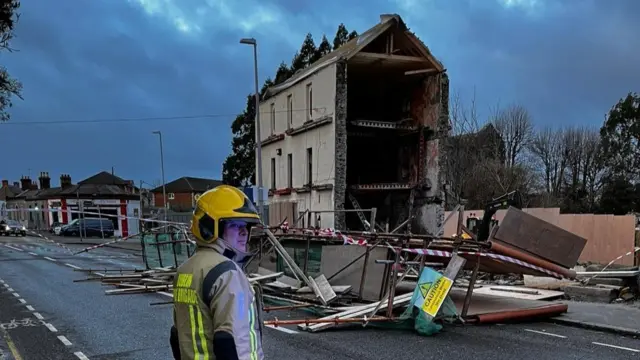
(88, 227)
(12, 227)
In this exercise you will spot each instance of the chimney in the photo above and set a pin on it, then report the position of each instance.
(45, 180)
(65, 180)
(5, 183)
(25, 183)
(16, 184)
(386, 17)
(33, 186)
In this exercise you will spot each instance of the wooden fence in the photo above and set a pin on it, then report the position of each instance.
(608, 236)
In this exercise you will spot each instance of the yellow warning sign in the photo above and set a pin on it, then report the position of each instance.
(436, 296)
(424, 288)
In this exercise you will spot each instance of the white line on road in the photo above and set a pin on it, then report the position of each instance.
(616, 347)
(80, 355)
(30, 308)
(32, 253)
(50, 259)
(546, 333)
(50, 327)
(9, 289)
(22, 301)
(38, 316)
(1, 281)
(64, 340)
(280, 328)
(14, 248)
(73, 266)
(16, 295)
(6, 285)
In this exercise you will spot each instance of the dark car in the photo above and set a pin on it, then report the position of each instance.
(89, 227)
(12, 227)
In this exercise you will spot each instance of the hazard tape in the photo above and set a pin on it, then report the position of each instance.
(440, 253)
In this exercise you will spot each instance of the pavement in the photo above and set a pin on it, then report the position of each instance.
(615, 318)
(44, 315)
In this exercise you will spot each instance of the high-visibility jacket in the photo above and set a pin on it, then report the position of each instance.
(216, 312)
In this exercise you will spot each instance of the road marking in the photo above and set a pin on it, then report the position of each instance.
(6, 285)
(80, 355)
(50, 327)
(38, 316)
(1, 281)
(32, 253)
(22, 301)
(16, 294)
(283, 329)
(9, 289)
(616, 347)
(30, 308)
(64, 340)
(50, 259)
(100, 274)
(73, 266)
(546, 333)
(12, 346)
(14, 248)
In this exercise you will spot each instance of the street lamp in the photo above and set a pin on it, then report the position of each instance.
(164, 189)
(254, 43)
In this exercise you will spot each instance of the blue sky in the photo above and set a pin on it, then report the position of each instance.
(566, 61)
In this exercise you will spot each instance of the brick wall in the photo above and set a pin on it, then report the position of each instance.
(180, 201)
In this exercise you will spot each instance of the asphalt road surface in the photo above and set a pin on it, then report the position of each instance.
(44, 315)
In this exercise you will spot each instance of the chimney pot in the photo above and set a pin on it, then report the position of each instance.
(5, 183)
(25, 183)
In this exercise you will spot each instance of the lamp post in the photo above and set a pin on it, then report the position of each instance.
(254, 43)
(164, 189)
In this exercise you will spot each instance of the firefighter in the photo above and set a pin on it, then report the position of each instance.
(216, 311)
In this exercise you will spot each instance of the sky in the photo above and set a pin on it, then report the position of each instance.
(179, 65)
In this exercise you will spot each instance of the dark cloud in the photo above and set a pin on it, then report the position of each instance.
(567, 61)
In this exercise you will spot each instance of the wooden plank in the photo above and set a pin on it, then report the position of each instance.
(540, 238)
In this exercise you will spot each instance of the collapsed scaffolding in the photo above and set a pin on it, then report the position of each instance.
(434, 266)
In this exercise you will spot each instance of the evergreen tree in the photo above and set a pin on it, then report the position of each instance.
(323, 49)
(283, 73)
(341, 38)
(353, 35)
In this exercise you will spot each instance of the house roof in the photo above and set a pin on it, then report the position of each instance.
(104, 178)
(188, 184)
(10, 191)
(351, 48)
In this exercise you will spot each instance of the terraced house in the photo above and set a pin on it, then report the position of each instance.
(359, 128)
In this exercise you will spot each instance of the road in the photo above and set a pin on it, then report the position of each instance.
(46, 315)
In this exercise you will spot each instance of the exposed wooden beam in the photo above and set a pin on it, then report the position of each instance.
(421, 72)
(376, 56)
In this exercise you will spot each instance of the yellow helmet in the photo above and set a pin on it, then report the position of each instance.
(221, 203)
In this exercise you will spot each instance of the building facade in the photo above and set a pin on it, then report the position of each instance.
(182, 193)
(332, 143)
(102, 195)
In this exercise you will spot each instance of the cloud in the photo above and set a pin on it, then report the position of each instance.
(567, 62)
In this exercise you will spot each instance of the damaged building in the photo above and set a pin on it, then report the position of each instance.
(360, 128)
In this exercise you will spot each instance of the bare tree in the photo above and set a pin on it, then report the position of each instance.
(548, 149)
(515, 128)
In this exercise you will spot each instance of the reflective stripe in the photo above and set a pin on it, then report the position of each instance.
(203, 340)
(253, 339)
(198, 338)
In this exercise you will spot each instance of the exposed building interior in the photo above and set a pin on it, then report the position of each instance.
(393, 110)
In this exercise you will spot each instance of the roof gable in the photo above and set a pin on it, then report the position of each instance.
(357, 45)
(188, 184)
(103, 178)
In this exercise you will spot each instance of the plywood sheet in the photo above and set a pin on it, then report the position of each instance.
(335, 257)
(518, 292)
(540, 238)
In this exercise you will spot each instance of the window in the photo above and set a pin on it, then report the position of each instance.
(273, 118)
(290, 170)
(273, 173)
(172, 196)
(289, 111)
(309, 166)
(309, 101)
